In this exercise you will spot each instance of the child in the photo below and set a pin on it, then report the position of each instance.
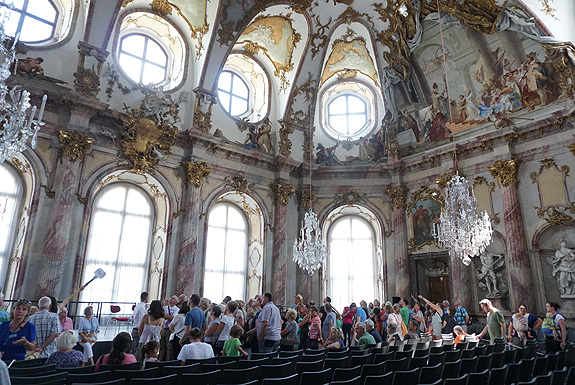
(233, 346)
(150, 352)
(548, 327)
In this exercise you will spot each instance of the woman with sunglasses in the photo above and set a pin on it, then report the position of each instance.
(17, 336)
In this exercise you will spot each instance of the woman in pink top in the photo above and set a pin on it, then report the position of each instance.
(348, 316)
(119, 355)
(65, 321)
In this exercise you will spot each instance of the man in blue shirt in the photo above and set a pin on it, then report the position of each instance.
(374, 333)
(269, 326)
(194, 319)
(461, 315)
(360, 315)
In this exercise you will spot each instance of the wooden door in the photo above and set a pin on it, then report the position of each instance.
(438, 289)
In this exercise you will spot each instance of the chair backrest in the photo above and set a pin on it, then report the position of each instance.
(480, 378)
(384, 379)
(497, 376)
(436, 358)
(457, 381)
(421, 352)
(403, 377)
(404, 354)
(453, 355)
(257, 356)
(338, 353)
(239, 376)
(301, 367)
(559, 376)
(113, 368)
(332, 363)
(28, 363)
(129, 374)
(512, 373)
(78, 370)
(291, 353)
(382, 357)
(540, 366)
(32, 371)
(284, 360)
(244, 364)
(483, 362)
(161, 364)
(54, 378)
(210, 378)
(571, 376)
(353, 381)
(179, 370)
(431, 373)
(509, 356)
(165, 380)
(526, 369)
(290, 380)
(343, 374)
(372, 370)
(226, 359)
(418, 362)
(315, 378)
(74, 378)
(361, 360)
(468, 365)
(552, 362)
(395, 365)
(312, 357)
(212, 367)
(451, 369)
(276, 371)
(201, 361)
(119, 381)
(115, 309)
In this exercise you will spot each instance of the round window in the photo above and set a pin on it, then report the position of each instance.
(143, 59)
(233, 93)
(347, 116)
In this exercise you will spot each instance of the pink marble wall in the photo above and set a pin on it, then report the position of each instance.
(518, 262)
(460, 277)
(402, 277)
(188, 249)
(279, 254)
(60, 229)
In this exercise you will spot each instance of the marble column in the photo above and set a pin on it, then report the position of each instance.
(304, 281)
(195, 172)
(398, 197)
(517, 259)
(73, 147)
(460, 277)
(282, 193)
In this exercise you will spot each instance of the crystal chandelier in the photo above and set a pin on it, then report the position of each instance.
(309, 250)
(15, 127)
(461, 230)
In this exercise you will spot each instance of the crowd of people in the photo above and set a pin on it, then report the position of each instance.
(185, 328)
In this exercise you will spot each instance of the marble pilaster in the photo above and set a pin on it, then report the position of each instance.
(279, 254)
(398, 197)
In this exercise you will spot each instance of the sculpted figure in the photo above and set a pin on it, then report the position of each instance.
(564, 268)
(487, 274)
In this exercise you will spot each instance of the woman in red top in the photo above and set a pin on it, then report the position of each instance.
(348, 317)
(119, 355)
(314, 329)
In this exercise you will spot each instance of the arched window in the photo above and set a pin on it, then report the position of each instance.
(351, 261)
(226, 253)
(33, 20)
(347, 115)
(119, 243)
(233, 93)
(143, 59)
(11, 193)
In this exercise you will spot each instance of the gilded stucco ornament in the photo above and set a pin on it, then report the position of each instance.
(398, 196)
(548, 163)
(90, 63)
(571, 148)
(203, 111)
(444, 180)
(282, 192)
(74, 144)
(562, 55)
(304, 197)
(238, 183)
(149, 131)
(161, 7)
(351, 198)
(196, 172)
(505, 171)
(285, 142)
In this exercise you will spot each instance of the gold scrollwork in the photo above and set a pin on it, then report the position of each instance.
(351, 198)
(22, 167)
(285, 144)
(556, 214)
(304, 197)
(154, 189)
(571, 148)
(196, 172)
(161, 7)
(444, 180)
(282, 192)
(203, 112)
(505, 171)
(398, 196)
(81, 199)
(238, 183)
(307, 145)
(483, 180)
(548, 163)
(74, 144)
(422, 194)
(49, 192)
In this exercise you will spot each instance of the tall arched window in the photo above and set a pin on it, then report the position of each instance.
(11, 193)
(119, 243)
(226, 253)
(351, 261)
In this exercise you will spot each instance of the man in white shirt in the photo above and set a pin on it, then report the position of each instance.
(139, 312)
(170, 312)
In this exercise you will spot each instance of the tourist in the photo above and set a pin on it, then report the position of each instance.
(47, 327)
(522, 327)
(557, 341)
(119, 355)
(65, 356)
(495, 321)
(196, 349)
(151, 326)
(17, 336)
(88, 333)
(269, 326)
(65, 321)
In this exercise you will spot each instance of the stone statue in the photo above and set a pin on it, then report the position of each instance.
(491, 280)
(564, 268)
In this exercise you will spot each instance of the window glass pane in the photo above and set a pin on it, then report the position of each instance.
(338, 123)
(224, 100)
(239, 88)
(155, 53)
(337, 106)
(153, 74)
(225, 81)
(351, 244)
(42, 9)
(131, 66)
(35, 30)
(239, 106)
(11, 23)
(134, 44)
(118, 243)
(18, 4)
(226, 253)
(231, 83)
(356, 123)
(355, 104)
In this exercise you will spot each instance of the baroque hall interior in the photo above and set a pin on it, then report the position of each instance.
(184, 140)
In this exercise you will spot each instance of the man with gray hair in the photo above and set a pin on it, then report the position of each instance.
(369, 325)
(47, 327)
(364, 338)
(170, 311)
(461, 315)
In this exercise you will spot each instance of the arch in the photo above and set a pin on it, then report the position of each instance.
(330, 216)
(255, 212)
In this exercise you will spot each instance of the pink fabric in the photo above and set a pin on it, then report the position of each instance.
(67, 325)
(348, 319)
(128, 359)
(314, 328)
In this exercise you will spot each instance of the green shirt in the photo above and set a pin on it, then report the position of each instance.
(231, 347)
(4, 316)
(494, 321)
(366, 339)
(404, 311)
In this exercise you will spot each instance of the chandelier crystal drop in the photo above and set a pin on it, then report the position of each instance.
(464, 233)
(15, 128)
(309, 251)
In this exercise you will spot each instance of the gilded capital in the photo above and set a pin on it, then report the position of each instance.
(74, 144)
(398, 196)
(505, 171)
(304, 197)
(196, 172)
(282, 192)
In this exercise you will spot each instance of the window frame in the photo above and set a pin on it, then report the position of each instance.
(232, 95)
(247, 233)
(348, 114)
(152, 219)
(23, 14)
(143, 59)
(373, 264)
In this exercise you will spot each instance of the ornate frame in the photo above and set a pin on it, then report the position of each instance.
(424, 193)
